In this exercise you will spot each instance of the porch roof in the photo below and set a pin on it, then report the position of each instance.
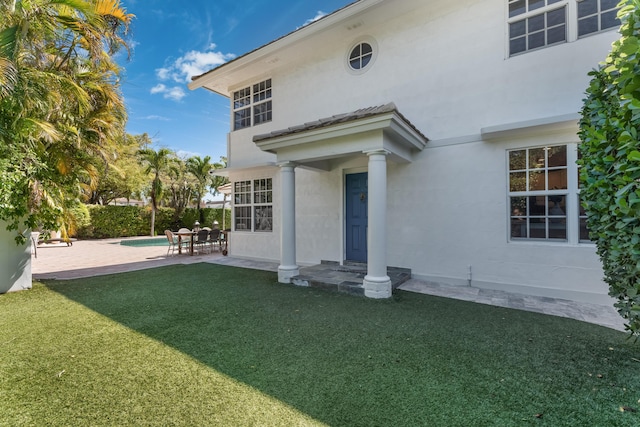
(375, 128)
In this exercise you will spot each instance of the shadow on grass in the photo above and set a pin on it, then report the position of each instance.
(411, 360)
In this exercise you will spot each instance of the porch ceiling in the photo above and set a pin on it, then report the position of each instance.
(343, 135)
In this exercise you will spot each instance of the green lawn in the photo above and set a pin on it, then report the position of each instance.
(206, 344)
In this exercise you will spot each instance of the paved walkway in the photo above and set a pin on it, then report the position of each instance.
(96, 257)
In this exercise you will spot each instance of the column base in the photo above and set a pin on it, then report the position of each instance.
(377, 287)
(286, 272)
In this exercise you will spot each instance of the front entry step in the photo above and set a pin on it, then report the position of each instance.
(346, 278)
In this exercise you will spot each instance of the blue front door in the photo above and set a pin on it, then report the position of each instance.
(356, 217)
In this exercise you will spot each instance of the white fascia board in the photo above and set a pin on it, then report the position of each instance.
(390, 123)
(226, 171)
(230, 68)
(561, 122)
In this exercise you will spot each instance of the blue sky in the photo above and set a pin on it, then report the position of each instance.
(174, 40)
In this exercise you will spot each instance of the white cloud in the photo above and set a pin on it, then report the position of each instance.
(175, 93)
(155, 117)
(320, 14)
(193, 63)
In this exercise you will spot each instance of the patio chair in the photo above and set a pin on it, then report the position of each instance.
(173, 241)
(200, 242)
(214, 239)
(185, 241)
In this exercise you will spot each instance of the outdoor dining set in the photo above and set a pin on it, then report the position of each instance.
(199, 240)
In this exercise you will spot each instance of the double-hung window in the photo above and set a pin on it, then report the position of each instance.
(596, 15)
(544, 195)
(252, 105)
(253, 205)
(538, 193)
(536, 23)
(543, 199)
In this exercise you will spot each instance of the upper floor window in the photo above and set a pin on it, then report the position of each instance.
(360, 56)
(536, 23)
(596, 15)
(252, 105)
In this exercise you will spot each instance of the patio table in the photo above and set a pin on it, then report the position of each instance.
(182, 234)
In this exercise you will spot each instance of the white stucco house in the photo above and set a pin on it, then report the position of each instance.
(439, 136)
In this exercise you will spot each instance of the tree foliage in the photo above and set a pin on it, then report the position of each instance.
(60, 104)
(610, 160)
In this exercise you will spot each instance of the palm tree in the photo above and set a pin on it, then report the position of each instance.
(200, 169)
(60, 105)
(157, 163)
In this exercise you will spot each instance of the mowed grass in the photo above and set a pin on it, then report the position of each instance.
(211, 345)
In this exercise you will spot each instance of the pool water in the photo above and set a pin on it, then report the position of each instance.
(151, 241)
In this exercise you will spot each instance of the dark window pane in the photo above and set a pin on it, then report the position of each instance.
(242, 118)
(609, 20)
(536, 4)
(517, 29)
(587, 7)
(584, 231)
(537, 206)
(264, 218)
(355, 53)
(557, 156)
(366, 49)
(538, 228)
(558, 179)
(536, 158)
(518, 181)
(518, 227)
(517, 46)
(608, 4)
(556, 17)
(516, 8)
(557, 207)
(556, 35)
(518, 206)
(517, 160)
(558, 230)
(536, 23)
(553, 1)
(588, 25)
(365, 61)
(536, 181)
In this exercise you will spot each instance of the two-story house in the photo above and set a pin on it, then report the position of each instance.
(439, 136)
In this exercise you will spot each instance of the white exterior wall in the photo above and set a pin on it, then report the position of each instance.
(445, 65)
(15, 262)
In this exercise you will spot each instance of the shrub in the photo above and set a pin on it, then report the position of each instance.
(610, 173)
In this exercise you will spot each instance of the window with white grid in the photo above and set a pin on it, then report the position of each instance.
(253, 205)
(534, 24)
(252, 105)
(597, 15)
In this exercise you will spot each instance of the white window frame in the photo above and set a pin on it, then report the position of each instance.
(571, 24)
(571, 194)
(542, 11)
(252, 105)
(598, 15)
(253, 205)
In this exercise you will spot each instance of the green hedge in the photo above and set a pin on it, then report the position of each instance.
(125, 221)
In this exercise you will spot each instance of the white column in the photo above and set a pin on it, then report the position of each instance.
(288, 268)
(376, 283)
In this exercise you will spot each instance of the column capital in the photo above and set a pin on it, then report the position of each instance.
(286, 164)
(379, 151)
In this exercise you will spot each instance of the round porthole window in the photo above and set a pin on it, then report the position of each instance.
(361, 56)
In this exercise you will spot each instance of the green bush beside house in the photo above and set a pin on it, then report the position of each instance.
(109, 221)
